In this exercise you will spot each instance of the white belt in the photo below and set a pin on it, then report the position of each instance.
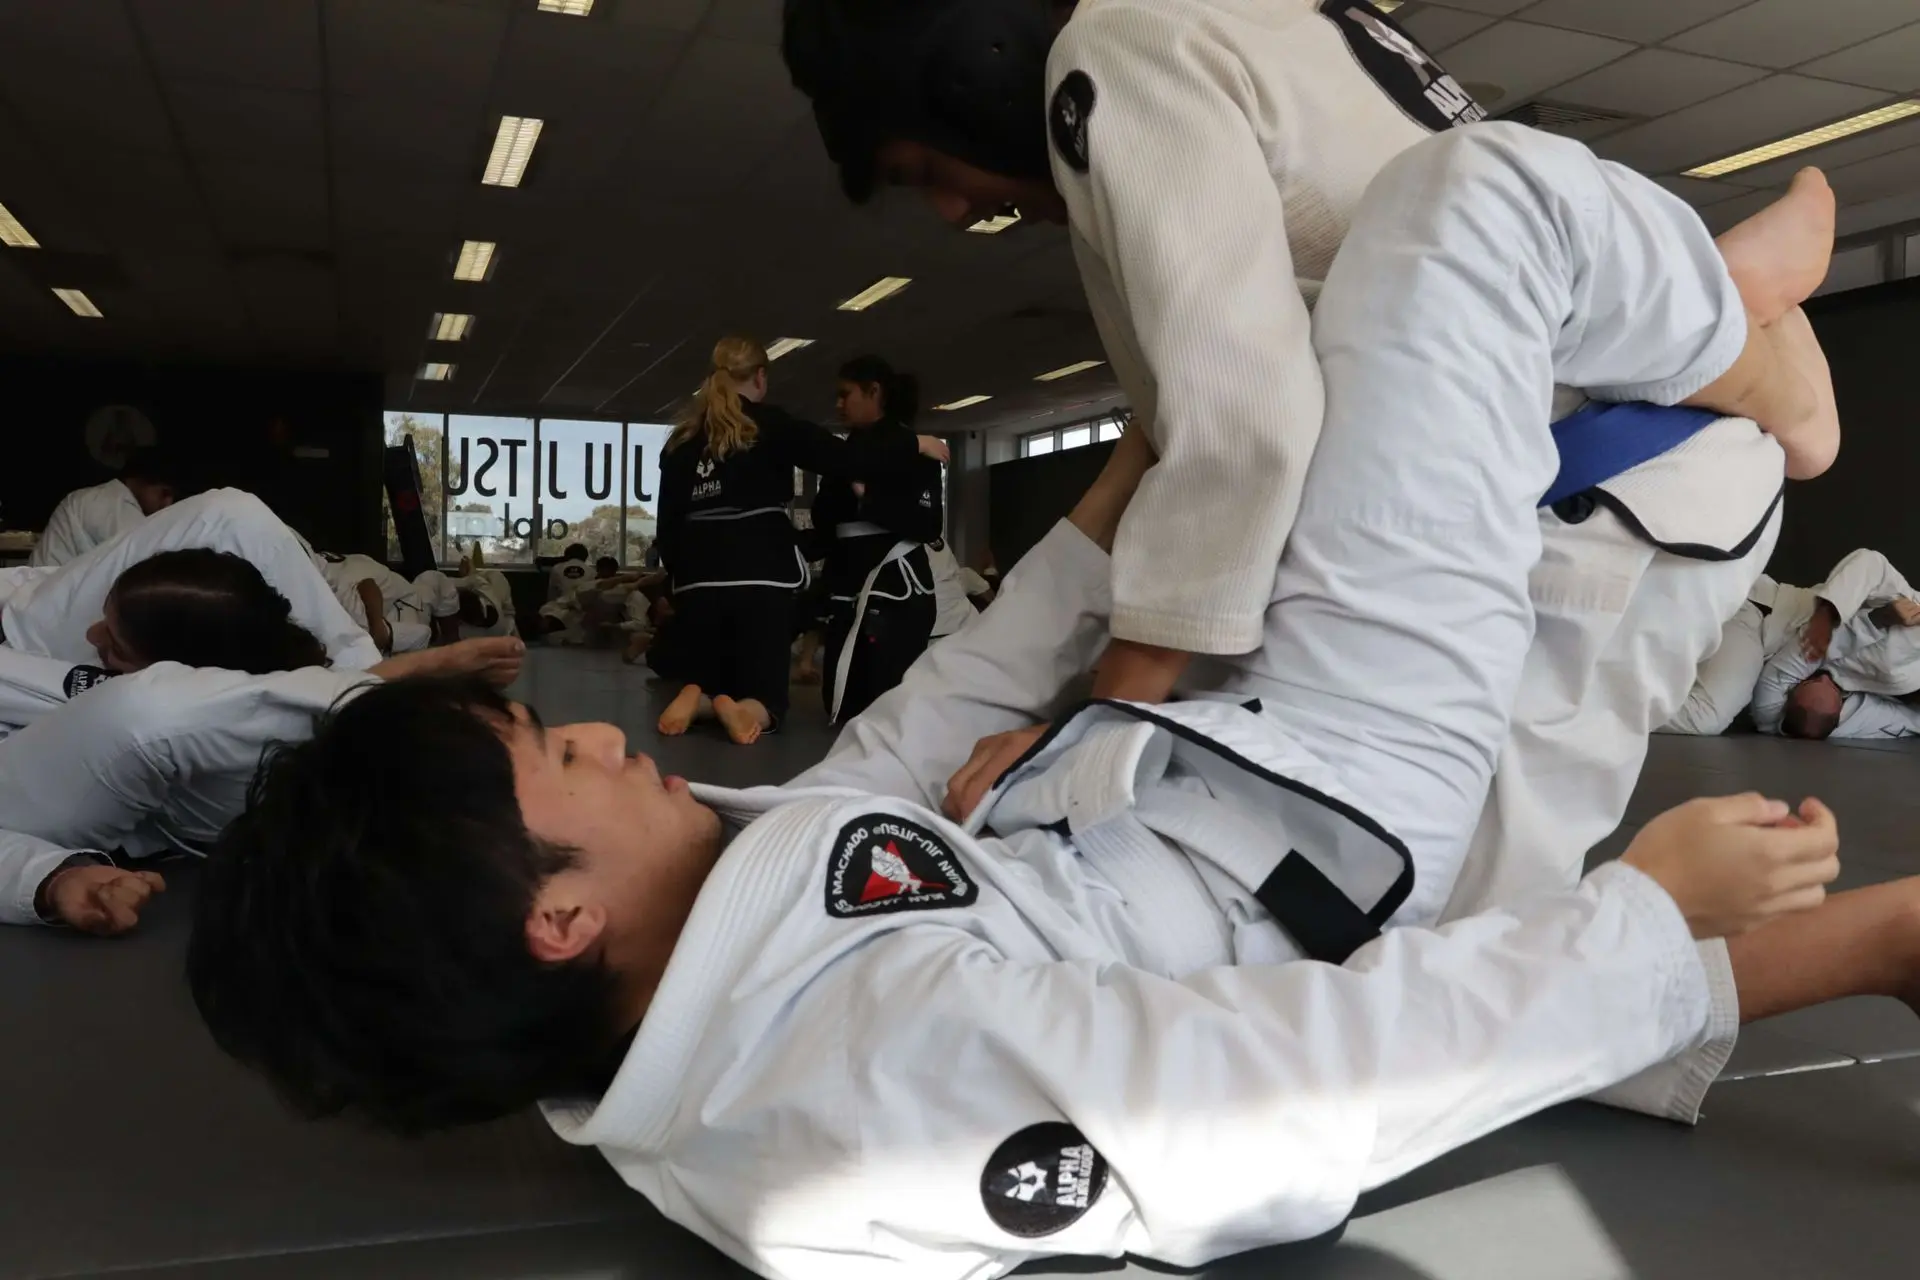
(730, 514)
(857, 529)
(898, 552)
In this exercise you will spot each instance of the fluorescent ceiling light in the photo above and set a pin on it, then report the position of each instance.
(996, 224)
(1811, 138)
(787, 346)
(572, 8)
(1067, 371)
(78, 303)
(451, 326)
(435, 371)
(13, 234)
(1388, 6)
(512, 148)
(475, 261)
(879, 291)
(965, 402)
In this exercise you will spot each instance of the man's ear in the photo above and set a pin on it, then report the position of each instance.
(563, 927)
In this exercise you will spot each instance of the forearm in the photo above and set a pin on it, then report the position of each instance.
(26, 862)
(1860, 577)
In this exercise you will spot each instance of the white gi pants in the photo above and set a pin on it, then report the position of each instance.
(1429, 623)
(1724, 685)
(50, 612)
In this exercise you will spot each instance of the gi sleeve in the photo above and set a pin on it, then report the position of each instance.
(1003, 1111)
(25, 862)
(1864, 577)
(31, 686)
(1781, 673)
(1871, 715)
(1185, 254)
(57, 543)
(1006, 670)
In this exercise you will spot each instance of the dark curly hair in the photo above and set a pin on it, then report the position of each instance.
(359, 932)
(206, 608)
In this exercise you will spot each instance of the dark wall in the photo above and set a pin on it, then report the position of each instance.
(1027, 496)
(1871, 337)
(307, 443)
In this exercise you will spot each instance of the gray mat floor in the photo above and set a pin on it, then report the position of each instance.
(128, 1145)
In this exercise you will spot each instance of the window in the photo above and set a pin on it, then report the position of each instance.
(1102, 430)
(429, 446)
(492, 490)
(645, 441)
(580, 497)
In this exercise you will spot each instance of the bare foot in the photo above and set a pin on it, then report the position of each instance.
(744, 721)
(1813, 441)
(496, 659)
(680, 712)
(1779, 256)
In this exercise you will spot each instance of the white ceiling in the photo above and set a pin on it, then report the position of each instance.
(283, 182)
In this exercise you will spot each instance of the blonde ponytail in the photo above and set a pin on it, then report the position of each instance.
(716, 413)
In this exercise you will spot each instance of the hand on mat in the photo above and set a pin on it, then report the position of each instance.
(1819, 633)
(1733, 863)
(102, 900)
(992, 756)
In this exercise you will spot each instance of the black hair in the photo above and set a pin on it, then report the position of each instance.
(576, 551)
(899, 392)
(207, 608)
(359, 933)
(476, 610)
(1803, 720)
(606, 565)
(151, 464)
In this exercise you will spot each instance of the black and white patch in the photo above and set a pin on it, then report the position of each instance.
(1042, 1180)
(1404, 71)
(1067, 119)
(882, 864)
(81, 679)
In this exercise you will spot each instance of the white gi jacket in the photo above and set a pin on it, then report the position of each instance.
(1212, 153)
(890, 1046)
(952, 585)
(84, 519)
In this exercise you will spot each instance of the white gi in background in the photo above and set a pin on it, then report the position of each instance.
(408, 611)
(84, 519)
(952, 587)
(566, 577)
(1773, 615)
(492, 587)
(1877, 668)
(1212, 153)
(889, 1045)
(48, 611)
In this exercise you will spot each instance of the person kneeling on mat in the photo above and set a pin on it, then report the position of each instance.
(706, 984)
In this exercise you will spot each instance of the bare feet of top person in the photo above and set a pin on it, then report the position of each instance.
(1780, 255)
(680, 712)
(744, 721)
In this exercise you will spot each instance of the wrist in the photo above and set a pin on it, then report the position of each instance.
(1133, 672)
(44, 904)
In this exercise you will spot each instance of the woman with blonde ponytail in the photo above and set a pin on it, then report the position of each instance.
(728, 543)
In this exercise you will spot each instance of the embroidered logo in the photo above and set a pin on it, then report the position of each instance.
(81, 679)
(1042, 1180)
(1067, 119)
(883, 864)
(1405, 72)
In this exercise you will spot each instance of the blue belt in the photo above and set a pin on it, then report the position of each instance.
(1602, 441)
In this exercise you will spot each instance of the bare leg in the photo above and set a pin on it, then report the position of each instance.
(681, 712)
(1780, 255)
(1862, 943)
(745, 720)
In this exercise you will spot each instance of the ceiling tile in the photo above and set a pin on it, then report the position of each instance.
(81, 30)
(86, 107)
(549, 69)
(1861, 146)
(257, 126)
(1524, 59)
(1700, 193)
(267, 207)
(1786, 33)
(414, 50)
(1891, 62)
(443, 140)
(662, 15)
(753, 21)
(1437, 27)
(1642, 20)
(1877, 178)
(276, 45)
(1776, 107)
(1654, 82)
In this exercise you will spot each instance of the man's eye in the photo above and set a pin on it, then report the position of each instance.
(566, 754)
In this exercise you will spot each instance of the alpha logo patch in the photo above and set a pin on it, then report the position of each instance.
(81, 679)
(1042, 1180)
(1067, 119)
(1404, 71)
(882, 864)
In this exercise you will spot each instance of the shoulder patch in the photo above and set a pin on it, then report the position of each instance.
(81, 679)
(1405, 72)
(1042, 1180)
(1067, 119)
(882, 864)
